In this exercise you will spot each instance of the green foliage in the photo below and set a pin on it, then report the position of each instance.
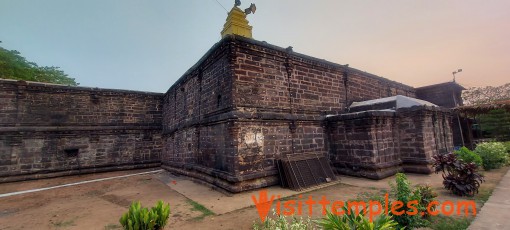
(495, 124)
(139, 218)
(461, 178)
(493, 154)
(350, 221)
(507, 146)
(426, 195)
(402, 192)
(163, 211)
(280, 222)
(469, 156)
(14, 66)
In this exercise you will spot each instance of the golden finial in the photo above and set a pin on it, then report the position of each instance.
(236, 22)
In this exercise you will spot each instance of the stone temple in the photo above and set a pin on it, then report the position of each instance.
(228, 121)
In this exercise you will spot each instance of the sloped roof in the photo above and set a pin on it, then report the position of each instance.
(484, 108)
(398, 102)
(451, 84)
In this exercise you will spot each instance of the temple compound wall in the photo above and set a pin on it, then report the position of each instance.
(53, 130)
(247, 103)
(226, 122)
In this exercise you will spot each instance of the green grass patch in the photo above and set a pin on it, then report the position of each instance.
(200, 208)
(63, 224)
(483, 195)
(441, 222)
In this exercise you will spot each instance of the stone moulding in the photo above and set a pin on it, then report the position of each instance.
(50, 130)
(44, 174)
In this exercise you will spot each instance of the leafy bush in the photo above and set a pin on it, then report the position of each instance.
(427, 195)
(493, 154)
(461, 178)
(507, 146)
(144, 219)
(402, 192)
(469, 156)
(280, 222)
(350, 221)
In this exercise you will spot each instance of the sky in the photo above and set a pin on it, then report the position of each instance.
(147, 45)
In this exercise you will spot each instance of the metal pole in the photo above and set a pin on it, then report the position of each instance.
(458, 119)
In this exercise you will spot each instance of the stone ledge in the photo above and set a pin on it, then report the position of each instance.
(225, 185)
(76, 88)
(75, 128)
(221, 174)
(74, 171)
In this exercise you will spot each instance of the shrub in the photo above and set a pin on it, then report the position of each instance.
(493, 154)
(402, 192)
(350, 221)
(460, 178)
(142, 218)
(469, 156)
(427, 195)
(507, 146)
(280, 222)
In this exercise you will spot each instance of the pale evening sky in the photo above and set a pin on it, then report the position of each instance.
(148, 44)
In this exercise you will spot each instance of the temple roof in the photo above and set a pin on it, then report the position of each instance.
(395, 102)
(450, 84)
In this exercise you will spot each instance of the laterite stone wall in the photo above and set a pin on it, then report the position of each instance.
(247, 103)
(52, 130)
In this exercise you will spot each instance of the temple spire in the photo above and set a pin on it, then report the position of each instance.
(236, 22)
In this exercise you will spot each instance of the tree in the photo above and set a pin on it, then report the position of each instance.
(496, 122)
(484, 95)
(15, 66)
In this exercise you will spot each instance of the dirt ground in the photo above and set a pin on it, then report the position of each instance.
(99, 205)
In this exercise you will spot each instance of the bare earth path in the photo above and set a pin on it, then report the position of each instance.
(99, 205)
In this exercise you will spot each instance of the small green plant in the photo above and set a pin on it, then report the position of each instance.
(280, 222)
(469, 156)
(144, 219)
(493, 154)
(350, 221)
(427, 195)
(402, 192)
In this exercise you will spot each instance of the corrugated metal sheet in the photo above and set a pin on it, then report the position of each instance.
(301, 171)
